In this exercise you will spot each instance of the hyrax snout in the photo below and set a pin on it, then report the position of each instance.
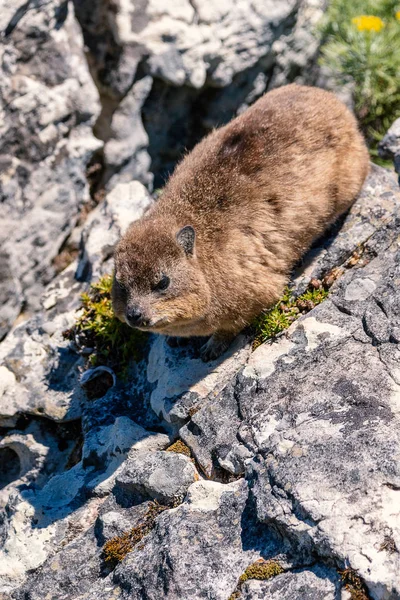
(238, 212)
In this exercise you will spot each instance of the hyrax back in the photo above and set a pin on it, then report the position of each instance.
(236, 215)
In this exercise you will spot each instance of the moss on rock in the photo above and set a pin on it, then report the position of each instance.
(112, 342)
(289, 308)
(180, 448)
(118, 547)
(262, 569)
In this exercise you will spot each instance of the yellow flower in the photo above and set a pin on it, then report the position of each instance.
(397, 15)
(368, 23)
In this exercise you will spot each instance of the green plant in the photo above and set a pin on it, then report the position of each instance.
(362, 45)
(286, 310)
(262, 569)
(113, 343)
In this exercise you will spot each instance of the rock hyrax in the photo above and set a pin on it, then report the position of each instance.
(238, 212)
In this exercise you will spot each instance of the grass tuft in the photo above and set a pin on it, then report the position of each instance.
(354, 585)
(262, 569)
(278, 318)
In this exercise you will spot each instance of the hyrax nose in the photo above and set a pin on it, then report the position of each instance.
(134, 315)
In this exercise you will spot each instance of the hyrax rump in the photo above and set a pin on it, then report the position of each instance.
(238, 212)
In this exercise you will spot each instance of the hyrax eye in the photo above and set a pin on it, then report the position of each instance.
(163, 284)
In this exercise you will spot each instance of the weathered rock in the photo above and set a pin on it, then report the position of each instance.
(124, 204)
(30, 455)
(38, 522)
(310, 420)
(41, 370)
(188, 67)
(49, 105)
(320, 407)
(389, 147)
(195, 550)
(317, 583)
(164, 476)
(180, 380)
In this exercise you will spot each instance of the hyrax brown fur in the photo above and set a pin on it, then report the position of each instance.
(238, 212)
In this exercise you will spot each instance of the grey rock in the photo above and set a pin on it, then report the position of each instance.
(105, 225)
(195, 550)
(389, 147)
(320, 405)
(49, 105)
(40, 370)
(317, 583)
(126, 152)
(310, 419)
(184, 61)
(180, 381)
(164, 476)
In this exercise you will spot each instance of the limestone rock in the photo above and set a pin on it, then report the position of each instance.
(318, 583)
(389, 147)
(41, 370)
(49, 105)
(124, 204)
(164, 476)
(195, 550)
(188, 66)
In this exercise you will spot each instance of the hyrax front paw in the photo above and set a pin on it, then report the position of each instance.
(177, 342)
(214, 347)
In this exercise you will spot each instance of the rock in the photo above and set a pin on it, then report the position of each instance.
(310, 421)
(30, 455)
(164, 476)
(321, 410)
(317, 583)
(45, 519)
(188, 67)
(124, 204)
(126, 152)
(195, 550)
(41, 370)
(389, 147)
(180, 380)
(107, 447)
(49, 107)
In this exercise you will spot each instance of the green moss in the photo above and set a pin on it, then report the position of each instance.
(288, 309)
(118, 547)
(180, 448)
(261, 570)
(114, 343)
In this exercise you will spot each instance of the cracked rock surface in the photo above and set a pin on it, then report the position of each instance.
(182, 475)
(48, 107)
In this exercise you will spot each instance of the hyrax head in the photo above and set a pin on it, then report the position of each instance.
(158, 285)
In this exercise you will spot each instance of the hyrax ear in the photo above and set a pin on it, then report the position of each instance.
(186, 238)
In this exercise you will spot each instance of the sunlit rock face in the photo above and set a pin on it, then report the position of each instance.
(289, 453)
